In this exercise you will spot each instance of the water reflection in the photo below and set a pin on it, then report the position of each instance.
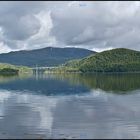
(51, 84)
(107, 82)
(38, 116)
(25, 115)
(44, 84)
(10, 78)
(70, 106)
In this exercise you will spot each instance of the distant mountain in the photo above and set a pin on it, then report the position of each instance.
(48, 56)
(115, 60)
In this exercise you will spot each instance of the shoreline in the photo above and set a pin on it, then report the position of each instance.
(47, 72)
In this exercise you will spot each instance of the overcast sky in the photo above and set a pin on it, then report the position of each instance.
(87, 24)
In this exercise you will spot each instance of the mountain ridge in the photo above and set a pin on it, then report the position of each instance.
(48, 56)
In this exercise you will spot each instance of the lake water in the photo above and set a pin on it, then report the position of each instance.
(70, 106)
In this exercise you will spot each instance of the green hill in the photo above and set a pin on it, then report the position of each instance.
(8, 69)
(115, 60)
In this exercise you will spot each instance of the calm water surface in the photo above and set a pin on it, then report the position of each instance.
(70, 106)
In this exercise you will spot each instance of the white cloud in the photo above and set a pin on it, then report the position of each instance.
(72, 3)
(4, 48)
(43, 35)
(102, 49)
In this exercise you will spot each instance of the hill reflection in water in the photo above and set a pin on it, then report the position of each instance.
(116, 83)
(70, 106)
(55, 84)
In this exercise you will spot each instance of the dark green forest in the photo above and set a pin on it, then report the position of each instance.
(115, 60)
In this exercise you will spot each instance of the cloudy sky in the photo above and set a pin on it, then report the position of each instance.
(86, 24)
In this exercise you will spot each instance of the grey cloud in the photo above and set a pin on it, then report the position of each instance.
(92, 25)
(23, 28)
(108, 22)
